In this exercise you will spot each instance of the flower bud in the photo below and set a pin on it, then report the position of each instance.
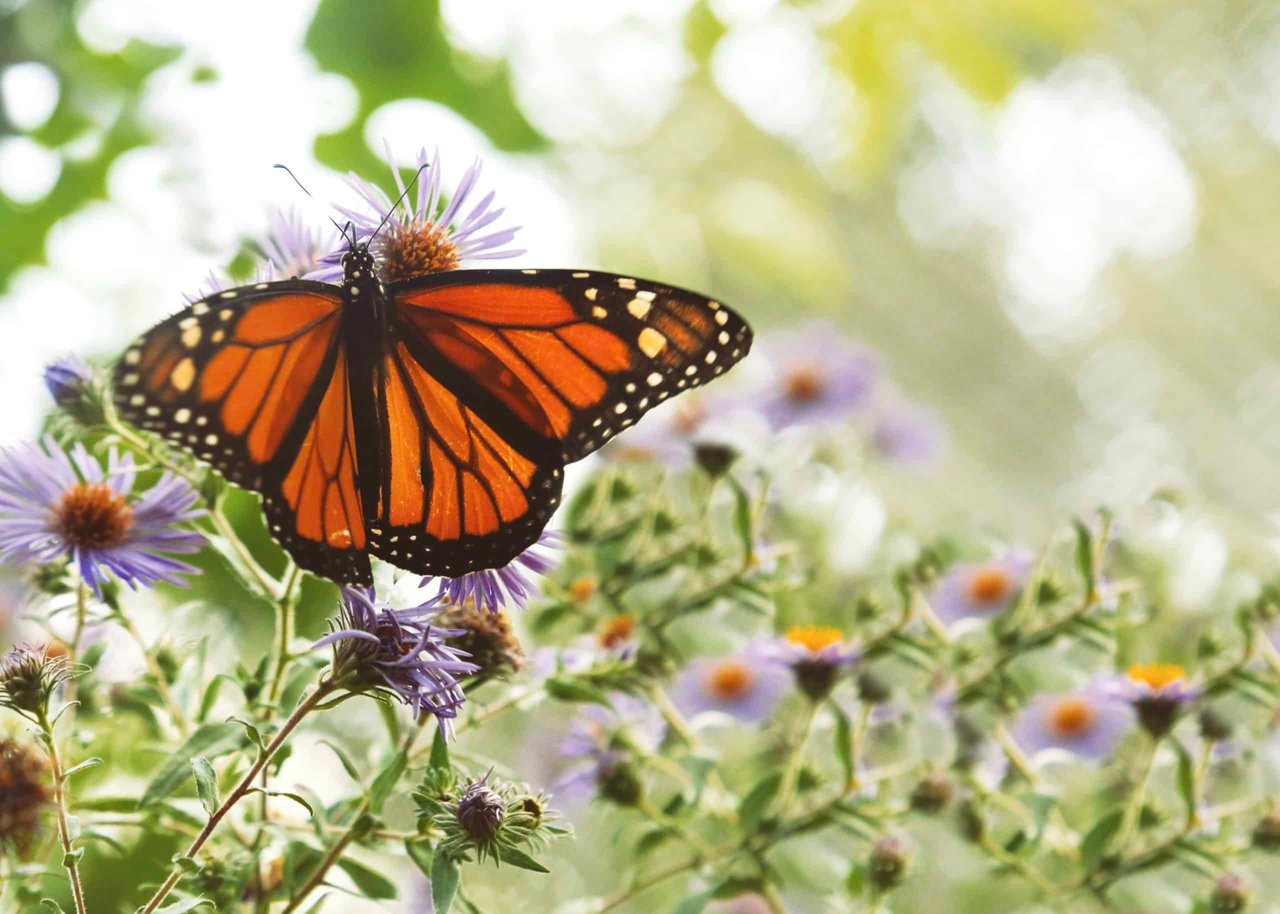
(28, 677)
(872, 689)
(1266, 834)
(1214, 726)
(481, 811)
(888, 863)
(70, 382)
(715, 459)
(618, 781)
(931, 793)
(1230, 895)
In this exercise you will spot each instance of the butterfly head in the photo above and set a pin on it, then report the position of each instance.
(358, 264)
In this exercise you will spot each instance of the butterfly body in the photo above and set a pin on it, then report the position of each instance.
(425, 421)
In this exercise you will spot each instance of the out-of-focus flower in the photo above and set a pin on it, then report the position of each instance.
(25, 794)
(376, 647)
(1266, 833)
(433, 236)
(506, 587)
(817, 375)
(292, 247)
(888, 863)
(818, 656)
(29, 676)
(615, 635)
(932, 793)
(910, 435)
(53, 506)
(486, 639)
(745, 686)
(980, 590)
(1231, 894)
(1159, 693)
(67, 378)
(743, 904)
(1087, 723)
(666, 434)
(600, 742)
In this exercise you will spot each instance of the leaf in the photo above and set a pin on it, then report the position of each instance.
(743, 518)
(1098, 841)
(519, 858)
(206, 783)
(444, 883)
(254, 733)
(439, 760)
(373, 885)
(694, 903)
(563, 688)
(187, 904)
(844, 742)
(1085, 555)
(210, 741)
(386, 779)
(287, 795)
(1186, 779)
(83, 766)
(347, 765)
(756, 803)
(52, 905)
(421, 852)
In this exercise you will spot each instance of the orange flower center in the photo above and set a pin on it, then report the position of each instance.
(91, 516)
(1156, 675)
(989, 585)
(582, 588)
(415, 250)
(814, 638)
(1072, 717)
(688, 417)
(804, 383)
(729, 680)
(616, 631)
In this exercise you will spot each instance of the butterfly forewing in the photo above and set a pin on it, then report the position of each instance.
(253, 381)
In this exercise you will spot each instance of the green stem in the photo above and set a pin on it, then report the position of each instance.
(791, 770)
(70, 858)
(1013, 752)
(285, 618)
(323, 689)
(671, 714)
(171, 705)
(1133, 807)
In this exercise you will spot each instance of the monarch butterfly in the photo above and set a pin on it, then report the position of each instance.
(426, 421)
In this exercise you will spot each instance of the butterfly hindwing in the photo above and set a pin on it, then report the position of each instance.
(570, 357)
(253, 381)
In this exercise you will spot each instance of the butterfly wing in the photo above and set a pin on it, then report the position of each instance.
(495, 379)
(254, 381)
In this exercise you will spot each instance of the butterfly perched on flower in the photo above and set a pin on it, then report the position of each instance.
(426, 420)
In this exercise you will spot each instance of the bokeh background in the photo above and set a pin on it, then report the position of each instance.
(1054, 219)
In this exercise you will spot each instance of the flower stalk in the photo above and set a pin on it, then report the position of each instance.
(70, 853)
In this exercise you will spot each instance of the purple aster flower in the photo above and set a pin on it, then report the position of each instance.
(599, 744)
(54, 506)
(67, 377)
(292, 247)
(376, 648)
(433, 236)
(910, 435)
(817, 375)
(495, 589)
(817, 655)
(1087, 723)
(1159, 693)
(745, 686)
(980, 590)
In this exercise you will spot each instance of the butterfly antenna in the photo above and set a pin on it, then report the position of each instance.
(341, 230)
(421, 168)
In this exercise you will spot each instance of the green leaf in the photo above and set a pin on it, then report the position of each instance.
(564, 688)
(519, 858)
(439, 760)
(287, 795)
(83, 766)
(386, 780)
(1186, 779)
(844, 742)
(347, 765)
(1085, 555)
(1098, 841)
(694, 903)
(210, 741)
(758, 800)
(422, 853)
(187, 904)
(373, 885)
(254, 733)
(206, 783)
(52, 905)
(444, 883)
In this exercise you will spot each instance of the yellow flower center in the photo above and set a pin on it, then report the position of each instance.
(1072, 717)
(616, 631)
(1156, 675)
(989, 585)
(729, 680)
(814, 638)
(90, 515)
(415, 250)
(804, 383)
(582, 588)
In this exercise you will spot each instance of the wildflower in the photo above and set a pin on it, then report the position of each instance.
(432, 237)
(909, 435)
(486, 638)
(496, 588)
(55, 506)
(817, 656)
(616, 634)
(292, 248)
(666, 434)
(1231, 894)
(980, 590)
(745, 686)
(398, 651)
(29, 676)
(1158, 692)
(25, 794)
(932, 793)
(67, 378)
(1088, 723)
(480, 811)
(1266, 833)
(601, 742)
(888, 863)
(817, 375)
